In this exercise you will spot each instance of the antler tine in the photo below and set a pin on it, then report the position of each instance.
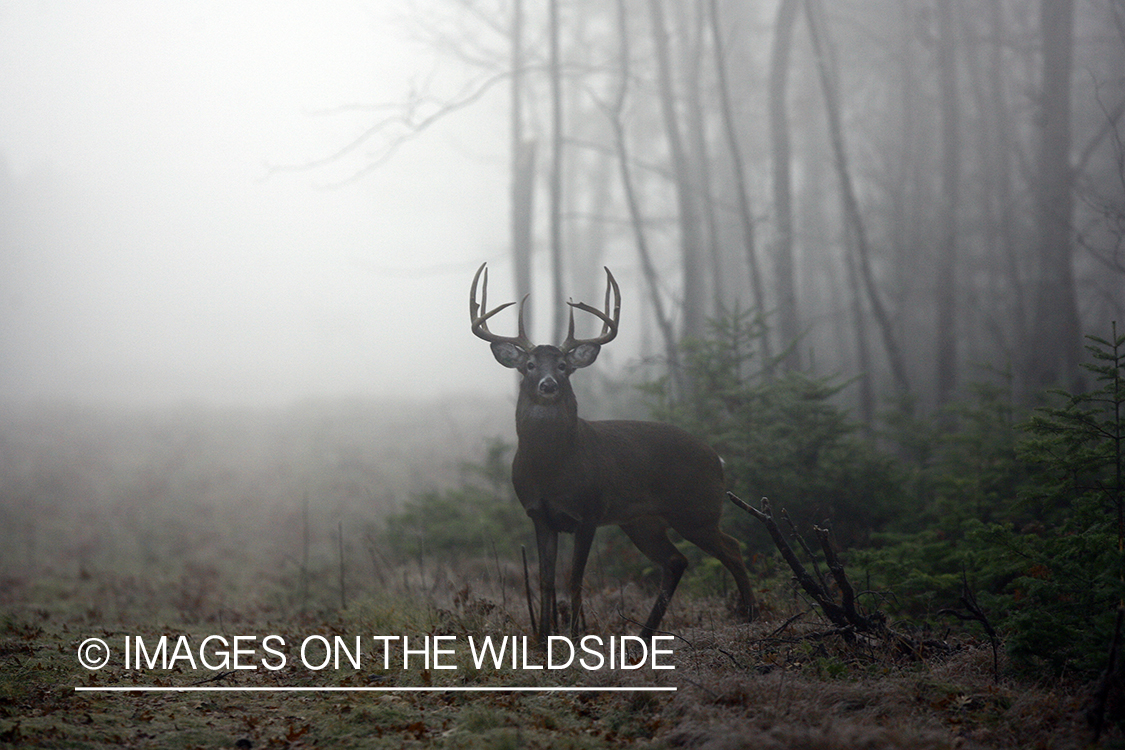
(480, 321)
(609, 324)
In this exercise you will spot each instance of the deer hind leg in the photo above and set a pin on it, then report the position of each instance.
(726, 550)
(651, 538)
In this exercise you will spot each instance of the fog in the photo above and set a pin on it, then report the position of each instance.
(256, 204)
(167, 235)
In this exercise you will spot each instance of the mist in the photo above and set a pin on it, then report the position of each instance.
(165, 239)
(253, 205)
(858, 244)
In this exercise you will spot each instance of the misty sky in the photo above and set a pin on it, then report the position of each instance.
(151, 255)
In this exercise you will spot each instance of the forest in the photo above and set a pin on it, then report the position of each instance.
(872, 251)
(919, 195)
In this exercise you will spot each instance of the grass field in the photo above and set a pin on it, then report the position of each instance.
(736, 685)
(217, 526)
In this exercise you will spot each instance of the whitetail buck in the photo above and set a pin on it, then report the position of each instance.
(573, 476)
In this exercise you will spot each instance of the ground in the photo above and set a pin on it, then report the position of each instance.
(774, 683)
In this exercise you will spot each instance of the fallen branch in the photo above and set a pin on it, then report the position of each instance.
(804, 547)
(835, 614)
(849, 622)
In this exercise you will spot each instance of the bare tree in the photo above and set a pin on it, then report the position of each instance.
(988, 245)
(782, 190)
(693, 269)
(632, 202)
(696, 97)
(742, 192)
(945, 290)
(814, 14)
(1053, 360)
(523, 166)
(555, 192)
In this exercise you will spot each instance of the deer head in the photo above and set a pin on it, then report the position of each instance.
(546, 369)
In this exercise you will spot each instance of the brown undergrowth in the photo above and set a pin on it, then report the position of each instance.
(780, 682)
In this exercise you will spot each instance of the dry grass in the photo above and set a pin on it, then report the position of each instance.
(110, 529)
(739, 686)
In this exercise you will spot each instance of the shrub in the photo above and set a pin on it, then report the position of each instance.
(783, 437)
(1069, 568)
(464, 522)
(966, 473)
(1032, 513)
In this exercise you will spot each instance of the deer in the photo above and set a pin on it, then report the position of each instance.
(572, 475)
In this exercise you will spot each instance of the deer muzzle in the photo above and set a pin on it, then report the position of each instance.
(548, 386)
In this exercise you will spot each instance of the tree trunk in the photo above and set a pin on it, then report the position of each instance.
(909, 191)
(945, 296)
(523, 170)
(693, 57)
(862, 349)
(743, 192)
(1053, 359)
(997, 331)
(852, 216)
(693, 290)
(782, 184)
(558, 320)
(1001, 169)
(671, 351)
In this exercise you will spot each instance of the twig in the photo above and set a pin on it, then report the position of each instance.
(527, 590)
(847, 593)
(213, 678)
(787, 623)
(977, 614)
(378, 561)
(677, 636)
(1096, 714)
(500, 575)
(343, 591)
(304, 553)
(804, 545)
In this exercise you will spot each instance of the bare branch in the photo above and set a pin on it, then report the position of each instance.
(410, 119)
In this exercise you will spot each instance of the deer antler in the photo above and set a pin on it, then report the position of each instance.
(609, 325)
(480, 322)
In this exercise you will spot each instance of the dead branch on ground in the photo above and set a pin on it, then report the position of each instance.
(845, 616)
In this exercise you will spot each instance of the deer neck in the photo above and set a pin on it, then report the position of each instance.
(547, 429)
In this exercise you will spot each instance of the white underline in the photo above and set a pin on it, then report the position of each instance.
(197, 689)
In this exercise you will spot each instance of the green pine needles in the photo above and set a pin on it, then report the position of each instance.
(1068, 570)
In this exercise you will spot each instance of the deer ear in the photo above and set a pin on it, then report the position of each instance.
(582, 355)
(508, 354)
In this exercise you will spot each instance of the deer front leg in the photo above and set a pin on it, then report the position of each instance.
(583, 539)
(547, 541)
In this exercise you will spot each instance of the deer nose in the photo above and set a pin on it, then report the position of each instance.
(548, 386)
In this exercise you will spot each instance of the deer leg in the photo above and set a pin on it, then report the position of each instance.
(726, 550)
(583, 538)
(651, 538)
(547, 541)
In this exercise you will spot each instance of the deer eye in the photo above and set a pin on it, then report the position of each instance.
(562, 366)
(531, 367)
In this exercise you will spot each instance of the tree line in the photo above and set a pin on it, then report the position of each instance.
(905, 191)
